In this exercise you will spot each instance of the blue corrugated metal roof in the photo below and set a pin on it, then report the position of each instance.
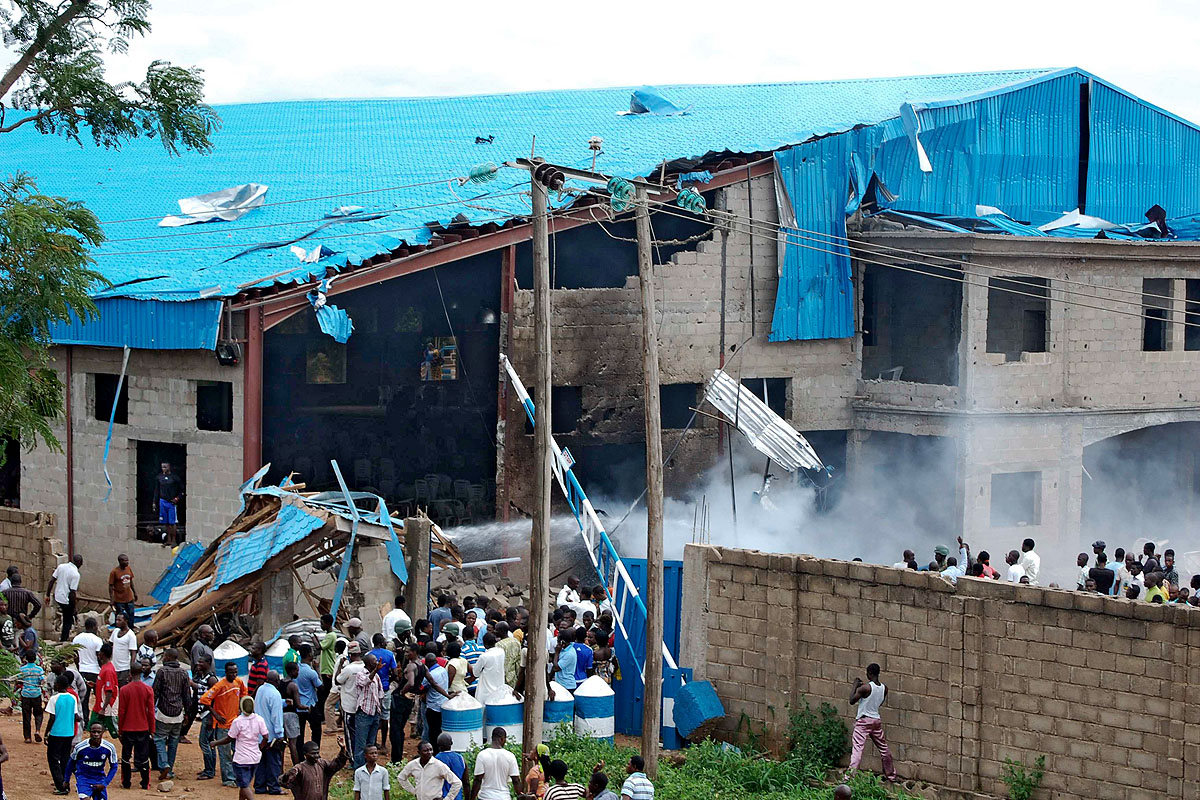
(247, 552)
(145, 324)
(1016, 148)
(318, 148)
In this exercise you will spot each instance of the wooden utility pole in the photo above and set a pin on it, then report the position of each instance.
(652, 699)
(539, 541)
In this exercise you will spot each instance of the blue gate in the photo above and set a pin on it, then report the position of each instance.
(629, 689)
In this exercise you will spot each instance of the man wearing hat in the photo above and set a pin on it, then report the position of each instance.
(939, 559)
(354, 629)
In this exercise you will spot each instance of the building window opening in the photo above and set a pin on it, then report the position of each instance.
(676, 403)
(1156, 311)
(1016, 499)
(773, 391)
(105, 393)
(915, 320)
(1191, 332)
(566, 407)
(153, 519)
(214, 405)
(1016, 322)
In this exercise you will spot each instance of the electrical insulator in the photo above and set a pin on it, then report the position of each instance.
(620, 194)
(549, 176)
(482, 173)
(691, 200)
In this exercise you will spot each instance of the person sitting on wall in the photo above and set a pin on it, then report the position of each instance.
(168, 491)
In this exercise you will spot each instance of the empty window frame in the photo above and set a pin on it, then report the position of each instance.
(1156, 311)
(677, 401)
(214, 405)
(774, 391)
(1016, 499)
(1018, 312)
(1191, 332)
(105, 389)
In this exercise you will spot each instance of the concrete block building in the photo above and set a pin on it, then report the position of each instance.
(980, 291)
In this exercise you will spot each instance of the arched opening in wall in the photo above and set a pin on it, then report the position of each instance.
(1145, 485)
(407, 406)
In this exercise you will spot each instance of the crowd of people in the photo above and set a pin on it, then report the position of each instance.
(365, 687)
(1149, 577)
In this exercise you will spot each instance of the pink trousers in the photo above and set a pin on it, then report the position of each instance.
(869, 728)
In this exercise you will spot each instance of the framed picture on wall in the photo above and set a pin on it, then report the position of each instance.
(325, 362)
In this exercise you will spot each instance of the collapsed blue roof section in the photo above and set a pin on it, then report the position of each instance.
(248, 552)
(1016, 150)
(359, 148)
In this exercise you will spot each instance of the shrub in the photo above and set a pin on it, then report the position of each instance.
(817, 738)
(1022, 782)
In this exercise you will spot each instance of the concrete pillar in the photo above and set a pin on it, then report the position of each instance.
(278, 603)
(1177, 331)
(416, 557)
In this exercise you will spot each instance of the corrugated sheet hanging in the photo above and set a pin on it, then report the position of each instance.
(145, 325)
(1139, 156)
(766, 431)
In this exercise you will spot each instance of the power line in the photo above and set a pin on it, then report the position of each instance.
(210, 229)
(666, 208)
(306, 239)
(305, 199)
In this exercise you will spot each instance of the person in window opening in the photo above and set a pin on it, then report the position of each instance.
(168, 491)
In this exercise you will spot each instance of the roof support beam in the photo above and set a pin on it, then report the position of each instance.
(293, 300)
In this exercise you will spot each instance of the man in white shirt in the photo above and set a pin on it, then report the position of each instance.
(909, 556)
(6, 584)
(495, 769)
(345, 677)
(424, 775)
(568, 595)
(64, 583)
(87, 656)
(125, 645)
(1031, 562)
(1015, 571)
(489, 672)
(392, 617)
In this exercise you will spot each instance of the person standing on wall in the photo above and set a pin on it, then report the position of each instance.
(64, 584)
(168, 491)
(121, 591)
(869, 697)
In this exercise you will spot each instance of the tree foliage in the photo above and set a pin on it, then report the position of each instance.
(57, 85)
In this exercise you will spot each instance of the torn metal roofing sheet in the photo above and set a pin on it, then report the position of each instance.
(766, 431)
(247, 552)
(316, 149)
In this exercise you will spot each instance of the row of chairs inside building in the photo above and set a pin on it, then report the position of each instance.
(448, 501)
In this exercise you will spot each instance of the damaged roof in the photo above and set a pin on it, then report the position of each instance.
(360, 148)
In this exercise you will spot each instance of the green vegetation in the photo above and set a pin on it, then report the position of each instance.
(9, 665)
(715, 770)
(1023, 782)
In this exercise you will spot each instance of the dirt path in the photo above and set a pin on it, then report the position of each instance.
(27, 775)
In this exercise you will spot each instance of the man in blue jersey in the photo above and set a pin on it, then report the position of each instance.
(93, 763)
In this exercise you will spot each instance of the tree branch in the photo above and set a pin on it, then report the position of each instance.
(60, 22)
(33, 118)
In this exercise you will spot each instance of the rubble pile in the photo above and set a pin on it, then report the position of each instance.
(488, 581)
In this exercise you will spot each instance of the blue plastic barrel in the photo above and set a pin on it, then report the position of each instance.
(595, 709)
(558, 712)
(231, 651)
(275, 654)
(507, 713)
(462, 718)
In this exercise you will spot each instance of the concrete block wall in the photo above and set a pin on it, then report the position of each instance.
(977, 673)
(28, 539)
(162, 408)
(596, 343)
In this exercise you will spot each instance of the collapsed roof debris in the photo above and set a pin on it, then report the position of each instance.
(280, 529)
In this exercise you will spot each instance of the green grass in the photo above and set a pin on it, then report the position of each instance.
(710, 770)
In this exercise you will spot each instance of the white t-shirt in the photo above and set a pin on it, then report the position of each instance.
(1015, 573)
(390, 620)
(89, 646)
(498, 767)
(348, 687)
(1032, 563)
(489, 669)
(66, 580)
(123, 649)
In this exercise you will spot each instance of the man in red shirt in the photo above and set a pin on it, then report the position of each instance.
(105, 693)
(258, 667)
(136, 720)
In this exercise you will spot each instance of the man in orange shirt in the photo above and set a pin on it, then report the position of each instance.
(225, 698)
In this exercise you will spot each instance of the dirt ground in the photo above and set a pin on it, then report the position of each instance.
(27, 776)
